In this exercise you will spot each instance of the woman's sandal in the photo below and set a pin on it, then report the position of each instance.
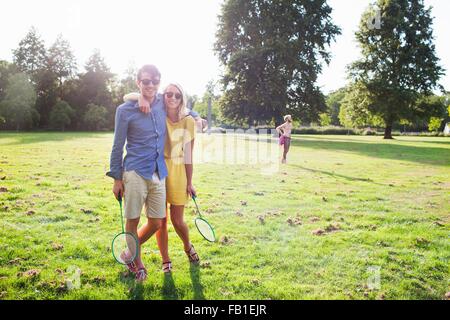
(141, 274)
(167, 266)
(192, 255)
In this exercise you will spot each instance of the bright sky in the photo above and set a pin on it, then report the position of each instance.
(347, 14)
(175, 35)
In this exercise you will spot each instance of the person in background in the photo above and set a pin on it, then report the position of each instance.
(284, 131)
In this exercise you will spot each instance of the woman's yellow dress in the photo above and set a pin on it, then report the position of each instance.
(177, 135)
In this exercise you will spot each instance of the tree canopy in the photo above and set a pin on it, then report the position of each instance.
(273, 52)
(398, 63)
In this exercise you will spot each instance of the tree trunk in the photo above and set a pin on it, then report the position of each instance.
(388, 131)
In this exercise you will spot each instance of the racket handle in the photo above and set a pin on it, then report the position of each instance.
(194, 197)
(119, 197)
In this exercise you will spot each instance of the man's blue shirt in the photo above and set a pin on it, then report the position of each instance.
(144, 135)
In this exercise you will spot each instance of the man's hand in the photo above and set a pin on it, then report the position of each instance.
(201, 124)
(144, 105)
(118, 189)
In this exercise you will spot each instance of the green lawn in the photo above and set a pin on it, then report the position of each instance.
(349, 217)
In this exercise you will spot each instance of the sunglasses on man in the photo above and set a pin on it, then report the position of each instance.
(171, 94)
(147, 82)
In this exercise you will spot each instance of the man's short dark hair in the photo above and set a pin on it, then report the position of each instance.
(150, 69)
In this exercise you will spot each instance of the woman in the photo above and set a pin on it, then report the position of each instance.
(285, 138)
(178, 154)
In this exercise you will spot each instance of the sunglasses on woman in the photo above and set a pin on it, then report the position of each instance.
(171, 94)
(146, 82)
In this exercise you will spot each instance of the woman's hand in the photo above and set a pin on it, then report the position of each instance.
(191, 190)
(144, 105)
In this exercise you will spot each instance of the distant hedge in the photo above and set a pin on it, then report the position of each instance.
(325, 130)
(332, 130)
(317, 130)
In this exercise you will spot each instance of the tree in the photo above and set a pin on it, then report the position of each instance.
(435, 124)
(6, 70)
(428, 106)
(31, 56)
(71, 94)
(17, 108)
(96, 64)
(201, 104)
(46, 85)
(96, 86)
(334, 102)
(61, 60)
(354, 109)
(92, 87)
(44, 68)
(398, 63)
(95, 117)
(325, 119)
(61, 115)
(125, 85)
(272, 53)
(404, 123)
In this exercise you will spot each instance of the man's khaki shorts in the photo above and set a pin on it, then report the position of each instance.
(140, 192)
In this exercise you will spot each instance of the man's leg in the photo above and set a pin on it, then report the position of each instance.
(131, 227)
(134, 198)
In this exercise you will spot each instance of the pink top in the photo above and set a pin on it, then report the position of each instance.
(285, 129)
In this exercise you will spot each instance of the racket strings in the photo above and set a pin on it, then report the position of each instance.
(125, 248)
(205, 229)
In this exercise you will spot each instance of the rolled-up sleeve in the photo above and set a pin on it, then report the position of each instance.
(193, 113)
(120, 136)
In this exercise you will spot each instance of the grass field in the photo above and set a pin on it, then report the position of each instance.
(349, 217)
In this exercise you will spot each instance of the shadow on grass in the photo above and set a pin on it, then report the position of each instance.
(336, 175)
(376, 139)
(196, 284)
(384, 150)
(38, 137)
(169, 291)
(135, 289)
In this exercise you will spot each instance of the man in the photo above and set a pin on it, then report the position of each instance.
(140, 177)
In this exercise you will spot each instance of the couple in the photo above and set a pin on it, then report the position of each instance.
(157, 170)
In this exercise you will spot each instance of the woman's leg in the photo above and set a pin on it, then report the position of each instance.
(287, 144)
(181, 228)
(147, 230)
(162, 238)
(282, 152)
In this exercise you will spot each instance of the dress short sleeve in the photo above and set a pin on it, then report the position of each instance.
(189, 133)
